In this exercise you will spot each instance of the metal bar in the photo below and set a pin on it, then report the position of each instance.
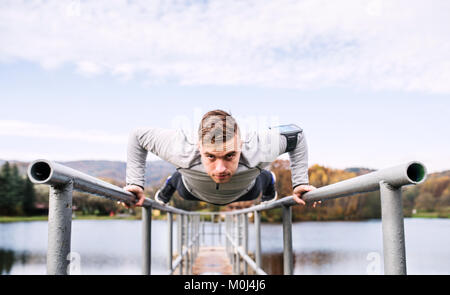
(180, 241)
(178, 260)
(186, 242)
(245, 256)
(389, 181)
(146, 240)
(245, 243)
(238, 243)
(220, 229)
(170, 239)
(203, 229)
(52, 173)
(251, 263)
(288, 264)
(257, 220)
(227, 231)
(197, 233)
(192, 234)
(48, 172)
(393, 230)
(234, 233)
(397, 176)
(212, 229)
(59, 228)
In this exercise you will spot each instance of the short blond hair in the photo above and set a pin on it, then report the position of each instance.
(217, 126)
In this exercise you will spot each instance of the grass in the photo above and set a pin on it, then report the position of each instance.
(431, 215)
(5, 219)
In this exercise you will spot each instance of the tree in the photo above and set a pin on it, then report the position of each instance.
(29, 197)
(16, 191)
(5, 189)
(425, 202)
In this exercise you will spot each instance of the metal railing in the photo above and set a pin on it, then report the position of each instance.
(63, 180)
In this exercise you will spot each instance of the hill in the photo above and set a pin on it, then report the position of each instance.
(116, 170)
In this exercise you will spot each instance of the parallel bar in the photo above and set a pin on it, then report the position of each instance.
(251, 263)
(238, 242)
(180, 241)
(146, 240)
(245, 244)
(203, 229)
(49, 172)
(178, 260)
(227, 232)
(397, 176)
(52, 173)
(59, 229)
(186, 242)
(257, 219)
(393, 230)
(170, 240)
(288, 264)
(63, 180)
(245, 256)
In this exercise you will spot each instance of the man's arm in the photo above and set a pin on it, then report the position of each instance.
(299, 168)
(161, 142)
(298, 158)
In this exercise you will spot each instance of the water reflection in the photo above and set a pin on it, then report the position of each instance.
(6, 261)
(10, 258)
(114, 247)
(272, 263)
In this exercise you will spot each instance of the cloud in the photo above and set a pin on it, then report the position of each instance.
(375, 44)
(34, 130)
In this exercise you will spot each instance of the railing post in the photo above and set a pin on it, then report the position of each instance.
(245, 221)
(196, 238)
(227, 232)
(59, 229)
(234, 233)
(393, 230)
(146, 240)
(180, 241)
(186, 242)
(288, 264)
(203, 229)
(170, 242)
(220, 229)
(197, 233)
(257, 220)
(213, 240)
(238, 243)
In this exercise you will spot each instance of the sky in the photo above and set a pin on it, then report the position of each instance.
(368, 81)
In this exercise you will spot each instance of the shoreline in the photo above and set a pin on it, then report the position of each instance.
(8, 219)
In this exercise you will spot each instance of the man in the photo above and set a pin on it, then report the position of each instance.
(220, 167)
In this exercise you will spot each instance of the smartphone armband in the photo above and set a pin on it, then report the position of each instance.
(291, 132)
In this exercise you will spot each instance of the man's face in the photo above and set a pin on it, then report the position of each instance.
(221, 161)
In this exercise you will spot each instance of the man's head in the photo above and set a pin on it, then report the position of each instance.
(219, 145)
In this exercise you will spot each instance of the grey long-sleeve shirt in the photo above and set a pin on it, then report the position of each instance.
(180, 149)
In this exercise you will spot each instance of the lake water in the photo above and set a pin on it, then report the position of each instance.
(114, 247)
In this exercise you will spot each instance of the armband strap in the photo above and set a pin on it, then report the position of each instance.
(291, 141)
(291, 133)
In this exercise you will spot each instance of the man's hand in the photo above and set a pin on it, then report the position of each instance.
(302, 189)
(138, 192)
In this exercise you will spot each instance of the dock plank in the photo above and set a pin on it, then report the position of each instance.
(212, 261)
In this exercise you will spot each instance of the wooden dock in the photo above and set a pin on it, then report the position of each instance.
(212, 261)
